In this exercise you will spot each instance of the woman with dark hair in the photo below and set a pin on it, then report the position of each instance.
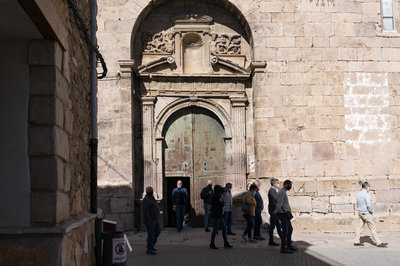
(249, 212)
(216, 212)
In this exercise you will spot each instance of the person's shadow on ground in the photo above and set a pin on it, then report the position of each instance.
(367, 239)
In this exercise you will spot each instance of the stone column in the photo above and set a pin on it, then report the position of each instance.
(148, 143)
(50, 130)
(239, 161)
(259, 83)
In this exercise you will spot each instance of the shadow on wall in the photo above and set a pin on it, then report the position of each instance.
(197, 220)
(117, 204)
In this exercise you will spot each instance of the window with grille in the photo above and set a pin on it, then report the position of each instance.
(387, 15)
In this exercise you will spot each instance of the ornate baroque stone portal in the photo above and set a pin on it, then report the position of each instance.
(193, 63)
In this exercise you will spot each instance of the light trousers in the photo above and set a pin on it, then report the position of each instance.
(366, 219)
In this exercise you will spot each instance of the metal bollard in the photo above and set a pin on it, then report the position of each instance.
(114, 248)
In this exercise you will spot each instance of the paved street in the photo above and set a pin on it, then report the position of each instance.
(191, 248)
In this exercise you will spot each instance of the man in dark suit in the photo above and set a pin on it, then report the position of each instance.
(273, 219)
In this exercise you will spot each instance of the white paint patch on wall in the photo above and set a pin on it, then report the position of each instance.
(367, 96)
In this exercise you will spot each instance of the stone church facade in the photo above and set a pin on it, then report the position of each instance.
(235, 91)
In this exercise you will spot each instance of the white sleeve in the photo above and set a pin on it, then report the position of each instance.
(369, 202)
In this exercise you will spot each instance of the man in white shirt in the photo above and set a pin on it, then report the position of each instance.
(364, 206)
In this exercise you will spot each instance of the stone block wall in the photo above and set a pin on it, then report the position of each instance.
(331, 89)
(117, 204)
(59, 129)
(324, 113)
(61, 229)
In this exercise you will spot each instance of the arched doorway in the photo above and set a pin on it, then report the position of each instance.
(193, 151)
(184, 61)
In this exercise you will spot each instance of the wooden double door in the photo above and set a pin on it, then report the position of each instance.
(194, 151)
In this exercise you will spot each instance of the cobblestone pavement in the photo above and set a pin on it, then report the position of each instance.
(191, 248)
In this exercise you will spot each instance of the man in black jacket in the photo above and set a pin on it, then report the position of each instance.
(151, 213)
(217, 210)
(273, 219)
(206, 195)
(180, 198)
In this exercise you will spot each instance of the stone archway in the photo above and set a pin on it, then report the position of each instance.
(180, 59)
(193, 150)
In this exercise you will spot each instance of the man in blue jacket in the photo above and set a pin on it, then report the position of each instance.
(180, 198)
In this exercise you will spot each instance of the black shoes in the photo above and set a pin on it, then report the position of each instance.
(151, 252)
(359, 244)
(293, 248)
(287, 251)
(273, 244)
(382, 245)
(244, 237)
(227, 245)
(207, 230)
(231, 233)
(259, 238)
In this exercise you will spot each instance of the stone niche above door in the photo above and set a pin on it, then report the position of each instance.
(194, 46)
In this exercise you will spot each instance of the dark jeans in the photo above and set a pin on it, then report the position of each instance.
(287, 230)
(180, 214)
(250, 224)
(228, 220)
(219, 223)
(257, 223)
(274, 222)
(153, 231)
(207, 208)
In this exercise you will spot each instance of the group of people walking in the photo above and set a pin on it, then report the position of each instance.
(218, 205)
(253, 205)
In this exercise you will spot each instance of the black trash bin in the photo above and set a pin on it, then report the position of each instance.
(114, 248)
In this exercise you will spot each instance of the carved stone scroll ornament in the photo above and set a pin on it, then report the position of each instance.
(162, 42)
(226, 44)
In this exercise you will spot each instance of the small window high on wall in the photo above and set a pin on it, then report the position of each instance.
(387, 15)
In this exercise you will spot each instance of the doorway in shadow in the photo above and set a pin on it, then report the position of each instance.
(169, 185)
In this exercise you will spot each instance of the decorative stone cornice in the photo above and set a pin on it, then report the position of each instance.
(126, 66)
(192, 19)
(238, 101)
(227, 63)
(258, 66)
(148, 100)
(160, 61)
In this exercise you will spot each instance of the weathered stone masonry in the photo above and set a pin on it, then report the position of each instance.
(60, 229)
(323, 113)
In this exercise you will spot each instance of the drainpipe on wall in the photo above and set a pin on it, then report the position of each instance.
(94, 137)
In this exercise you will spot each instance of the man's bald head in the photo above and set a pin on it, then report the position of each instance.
(209, 182)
